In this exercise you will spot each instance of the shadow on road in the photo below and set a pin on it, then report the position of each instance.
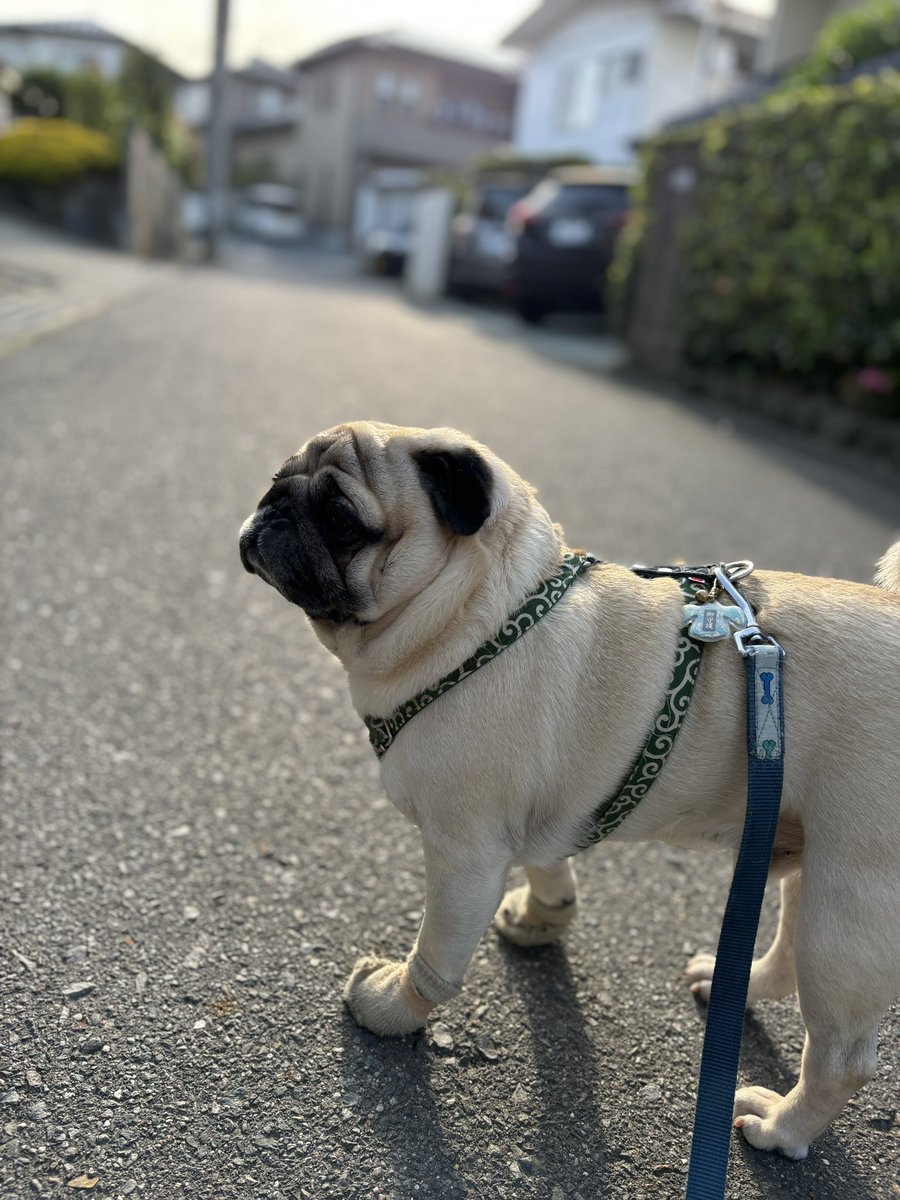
(394, 1075)
(569, 1138)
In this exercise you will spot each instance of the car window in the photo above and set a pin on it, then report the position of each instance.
(582, 199)
(496, 202)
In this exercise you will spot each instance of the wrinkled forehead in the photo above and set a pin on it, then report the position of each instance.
(355, 457)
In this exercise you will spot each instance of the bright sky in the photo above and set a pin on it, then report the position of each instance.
(180, 31)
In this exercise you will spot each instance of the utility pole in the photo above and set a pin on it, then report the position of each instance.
(218, 156)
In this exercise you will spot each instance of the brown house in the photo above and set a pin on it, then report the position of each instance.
(393, 101)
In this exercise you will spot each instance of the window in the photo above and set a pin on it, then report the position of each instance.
(268, 101)
(386, 87)
(580, 88)
(410, 94)
(632, 66)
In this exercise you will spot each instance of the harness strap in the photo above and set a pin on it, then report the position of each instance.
(728, 997)
(383, 730)
(613, 810)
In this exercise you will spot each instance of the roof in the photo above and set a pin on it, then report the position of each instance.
(551, 15)
(599, 176)
(422, 45)
(259, 71)
(85, 30)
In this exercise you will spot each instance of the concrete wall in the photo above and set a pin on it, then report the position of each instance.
(795, 26)
(153, 199)
(328, 156)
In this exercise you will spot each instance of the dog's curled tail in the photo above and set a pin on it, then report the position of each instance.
(887, 573)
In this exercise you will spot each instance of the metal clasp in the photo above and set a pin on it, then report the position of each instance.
(751, 634)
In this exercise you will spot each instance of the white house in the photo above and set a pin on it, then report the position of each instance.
(602, 74)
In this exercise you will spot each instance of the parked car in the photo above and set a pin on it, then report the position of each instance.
(564, 233)
(480, 244)
(269, 212)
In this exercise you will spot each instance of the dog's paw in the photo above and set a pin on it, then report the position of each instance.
(525, 920)
(756, 1114)
(700, 972)
(382, 997)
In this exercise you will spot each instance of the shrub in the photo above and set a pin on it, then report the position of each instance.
(53, 152)
(84, 97)
(791, 255)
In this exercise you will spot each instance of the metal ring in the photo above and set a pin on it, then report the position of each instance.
(738, 570)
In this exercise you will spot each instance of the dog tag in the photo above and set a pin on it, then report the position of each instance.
(713, 622)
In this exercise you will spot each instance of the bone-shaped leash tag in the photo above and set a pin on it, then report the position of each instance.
(713, 622)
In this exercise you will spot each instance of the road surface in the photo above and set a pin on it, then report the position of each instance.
(195, 847)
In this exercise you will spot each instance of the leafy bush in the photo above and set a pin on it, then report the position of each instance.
(849, 39)
(791, 255)
(53, 152)
(84, 97)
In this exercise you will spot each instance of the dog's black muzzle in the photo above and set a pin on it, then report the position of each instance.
(292, 559)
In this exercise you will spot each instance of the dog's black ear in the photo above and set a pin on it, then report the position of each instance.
(459, 484)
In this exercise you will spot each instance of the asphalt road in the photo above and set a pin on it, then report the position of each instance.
(194, 847)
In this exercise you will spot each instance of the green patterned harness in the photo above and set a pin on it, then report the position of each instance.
(612, 812)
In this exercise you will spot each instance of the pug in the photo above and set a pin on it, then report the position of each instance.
(409, 548)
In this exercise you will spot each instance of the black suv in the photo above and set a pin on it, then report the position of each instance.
(565, 231)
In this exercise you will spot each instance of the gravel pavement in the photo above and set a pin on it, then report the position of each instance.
(195, 846)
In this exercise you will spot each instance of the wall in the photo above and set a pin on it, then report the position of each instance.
(673, 68)
(330, 98)
(795, 26)
(153, 199)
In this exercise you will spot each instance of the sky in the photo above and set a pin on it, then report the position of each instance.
(180, 31)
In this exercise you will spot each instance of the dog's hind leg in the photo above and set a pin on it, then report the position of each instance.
(845, 952)
(541, 910)
(773, 975)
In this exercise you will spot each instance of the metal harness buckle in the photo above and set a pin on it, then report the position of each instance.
(726, 575)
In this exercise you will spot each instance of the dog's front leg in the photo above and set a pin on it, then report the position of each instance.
(462, 892)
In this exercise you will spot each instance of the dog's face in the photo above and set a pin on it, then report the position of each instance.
(364, 515)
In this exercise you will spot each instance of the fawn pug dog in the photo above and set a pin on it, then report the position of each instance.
(408, 549)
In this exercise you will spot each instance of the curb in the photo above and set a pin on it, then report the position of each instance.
(876, 436)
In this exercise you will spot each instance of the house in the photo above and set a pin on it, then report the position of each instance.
(603, 74)
(393, 101)
(66, 46)
(263, 112)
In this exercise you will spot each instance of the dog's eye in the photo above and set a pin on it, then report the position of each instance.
(338, 522)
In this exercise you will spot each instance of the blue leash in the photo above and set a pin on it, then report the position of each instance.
(763, 657)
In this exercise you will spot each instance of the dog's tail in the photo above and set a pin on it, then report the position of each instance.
(887, 574)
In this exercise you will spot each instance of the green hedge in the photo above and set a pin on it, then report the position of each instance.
(792, 252)
(50, 152)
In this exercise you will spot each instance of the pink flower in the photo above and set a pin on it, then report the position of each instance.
(873, 379)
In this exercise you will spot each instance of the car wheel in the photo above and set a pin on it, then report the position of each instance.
(531, 311)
